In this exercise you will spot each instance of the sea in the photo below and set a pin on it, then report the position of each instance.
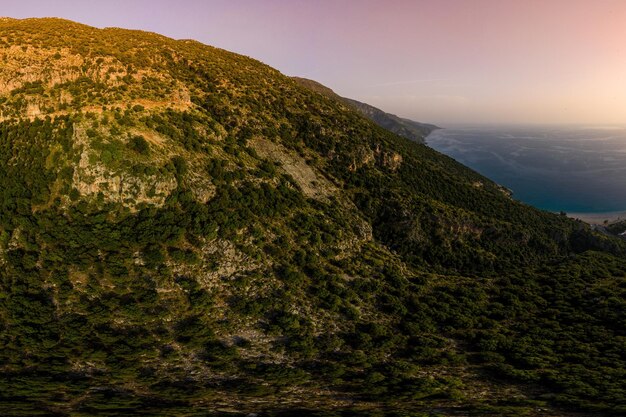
(575, 169)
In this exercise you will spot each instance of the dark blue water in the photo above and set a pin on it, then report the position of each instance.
(574, 169)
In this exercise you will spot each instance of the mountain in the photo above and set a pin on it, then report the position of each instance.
(186, 231)
(617, 228)
(406, 128)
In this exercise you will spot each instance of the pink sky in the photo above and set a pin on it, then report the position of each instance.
(441, 61)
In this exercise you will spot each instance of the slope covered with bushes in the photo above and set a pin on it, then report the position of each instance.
(185, 231)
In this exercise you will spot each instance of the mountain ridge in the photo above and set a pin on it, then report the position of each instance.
(406, 128)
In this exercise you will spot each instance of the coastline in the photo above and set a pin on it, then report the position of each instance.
(433, 129)
(593, 218)
(599, 218)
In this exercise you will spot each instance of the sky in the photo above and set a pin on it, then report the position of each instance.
(447, 62)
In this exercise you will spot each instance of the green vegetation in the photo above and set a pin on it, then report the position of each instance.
(406, 128)
(139, 145)
(617, 227)
(157, 257)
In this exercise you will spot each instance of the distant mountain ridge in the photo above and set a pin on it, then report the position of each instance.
(410, 129)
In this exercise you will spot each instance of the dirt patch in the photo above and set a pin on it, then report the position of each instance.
(151, 136)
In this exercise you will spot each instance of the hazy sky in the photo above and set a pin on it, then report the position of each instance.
(441, 61)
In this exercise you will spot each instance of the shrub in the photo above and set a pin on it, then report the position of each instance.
(139, 144)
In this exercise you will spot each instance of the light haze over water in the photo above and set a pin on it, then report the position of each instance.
(573, 169)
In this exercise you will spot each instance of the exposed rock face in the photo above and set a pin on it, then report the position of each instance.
(312, 183)
(33, 110)
(363, 156)
(223, 261)
(92, 178)
(28, 71)
(392, 160)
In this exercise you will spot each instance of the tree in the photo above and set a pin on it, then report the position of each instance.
(139, 144)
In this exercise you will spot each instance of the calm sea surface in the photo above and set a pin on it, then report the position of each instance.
(574, 169)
